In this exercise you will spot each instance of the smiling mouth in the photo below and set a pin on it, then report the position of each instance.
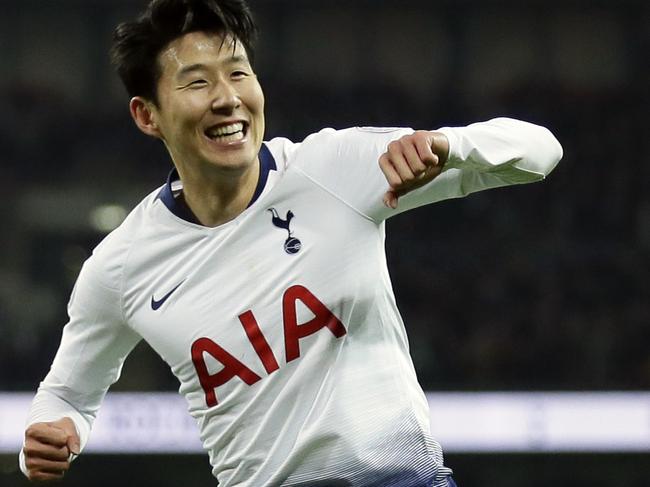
(228, 133)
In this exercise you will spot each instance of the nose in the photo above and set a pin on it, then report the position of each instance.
(226, 98)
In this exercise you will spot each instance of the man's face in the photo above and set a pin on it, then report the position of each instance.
(210, 110)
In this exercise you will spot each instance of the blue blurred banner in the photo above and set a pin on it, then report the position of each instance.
(505, 422)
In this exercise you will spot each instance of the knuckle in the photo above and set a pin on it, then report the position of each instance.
(416, 162)
(62, 453)
(394, 180)
(408, 179)
(406, 174)
(29, 450)
(35, 476)
(393, 147)
(407, 142)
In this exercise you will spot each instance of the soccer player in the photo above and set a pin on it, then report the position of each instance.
(258, 273)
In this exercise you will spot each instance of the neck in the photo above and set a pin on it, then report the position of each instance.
(216, 197)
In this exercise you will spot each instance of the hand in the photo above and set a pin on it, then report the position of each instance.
(412, 161)
(48, 448)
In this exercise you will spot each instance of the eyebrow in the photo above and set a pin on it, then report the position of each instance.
(199, 67)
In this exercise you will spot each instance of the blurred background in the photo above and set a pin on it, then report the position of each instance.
(533, 288)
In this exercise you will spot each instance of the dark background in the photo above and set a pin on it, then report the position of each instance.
(538, 287)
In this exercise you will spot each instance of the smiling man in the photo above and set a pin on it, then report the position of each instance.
(258, 273)
(209, 111)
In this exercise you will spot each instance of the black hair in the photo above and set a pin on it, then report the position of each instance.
(137, 44)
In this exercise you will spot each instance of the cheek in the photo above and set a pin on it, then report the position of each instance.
(259, 114)
(259, 119)
(185, 115)
(262, 101)
(257, 97)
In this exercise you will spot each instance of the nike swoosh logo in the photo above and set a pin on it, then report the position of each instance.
(157, 304)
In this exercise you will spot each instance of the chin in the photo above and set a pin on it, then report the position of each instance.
(232, 163)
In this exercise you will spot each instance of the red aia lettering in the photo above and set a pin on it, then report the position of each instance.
(231, 368)
(293, 332)
(258, 341)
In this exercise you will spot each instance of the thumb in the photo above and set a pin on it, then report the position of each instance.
(390, 199)
(72, 440)
(73, 444)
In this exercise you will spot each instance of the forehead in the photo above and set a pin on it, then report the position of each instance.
(199, 47)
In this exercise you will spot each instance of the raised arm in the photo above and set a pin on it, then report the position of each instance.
(407, 169)
(424, 167)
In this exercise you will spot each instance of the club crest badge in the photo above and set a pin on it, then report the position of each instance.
(291, 245)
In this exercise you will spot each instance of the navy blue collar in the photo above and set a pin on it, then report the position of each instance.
(178, 206)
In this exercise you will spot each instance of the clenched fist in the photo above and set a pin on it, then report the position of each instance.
(412, 161)
(48, 449)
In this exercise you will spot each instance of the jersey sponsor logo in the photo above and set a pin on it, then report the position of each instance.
(293, 333)
(156, 304)
(291, 245)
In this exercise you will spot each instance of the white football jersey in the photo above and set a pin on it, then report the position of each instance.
(281, 325)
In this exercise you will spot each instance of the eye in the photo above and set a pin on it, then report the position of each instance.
(197, 83)
(239, 74)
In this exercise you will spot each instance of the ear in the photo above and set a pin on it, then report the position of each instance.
(144, 115)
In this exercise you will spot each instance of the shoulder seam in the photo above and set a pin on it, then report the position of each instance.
(329, 191)
(122, 278)
(122, 273)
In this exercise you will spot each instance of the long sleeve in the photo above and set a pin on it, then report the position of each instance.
(94, 345)
(483, 155)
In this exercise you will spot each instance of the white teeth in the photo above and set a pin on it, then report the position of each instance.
(226, 130)
(231, 137)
